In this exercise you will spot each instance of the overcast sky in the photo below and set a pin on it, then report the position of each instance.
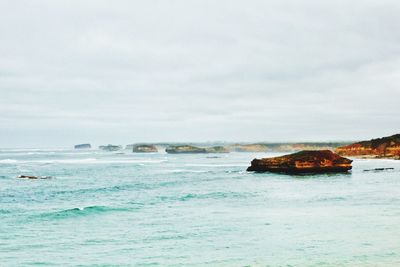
(131, 71)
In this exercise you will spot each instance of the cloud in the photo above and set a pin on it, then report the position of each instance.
(131, 71)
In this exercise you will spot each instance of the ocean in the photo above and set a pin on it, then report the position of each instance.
(126, 209)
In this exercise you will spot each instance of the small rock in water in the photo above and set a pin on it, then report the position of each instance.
(34, 177)
(379, 169)
(83, 146)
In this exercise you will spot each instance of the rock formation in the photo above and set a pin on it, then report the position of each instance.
(110, 147)
(249, 147)
(385, 147)
(144, 148)
(83, 146)
(34, 177)
(284, 147)
(217, 149)
(307, 161)
(185, 149)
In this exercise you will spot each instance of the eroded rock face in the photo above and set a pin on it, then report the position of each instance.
(249, 148)
(386, 147)
(110, 148)
(307, 161)
(185, 149)
(217, 149)
(144, 149)
(83, 146)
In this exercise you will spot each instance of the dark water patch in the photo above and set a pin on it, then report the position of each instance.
(213, 195)
(172, 183)
(303, 176)
(81, 212)
(2, 211)
(115, 188)
(329, 199)
(39, 264)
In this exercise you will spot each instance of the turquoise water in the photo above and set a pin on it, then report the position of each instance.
(112, 209)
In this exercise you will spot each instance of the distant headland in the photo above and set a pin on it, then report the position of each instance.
(385, 147)
(218, 147)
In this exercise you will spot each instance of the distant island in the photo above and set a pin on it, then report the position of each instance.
(189, 149)
(144, 149)
(219, 147)
(83, 146)
(185, 149)
(110, 147)
(385, 147)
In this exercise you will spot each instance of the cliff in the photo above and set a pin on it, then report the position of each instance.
(185, 149)
(110, 148)
(385, 147)
(144, 149)
(217, 149)
(284, 147)
(307, 161)
(248, 147)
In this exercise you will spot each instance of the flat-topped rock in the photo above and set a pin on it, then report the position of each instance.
(185, 149)
(144, 149)
(110, 147)
(306, 161)
(83, 146)
(385, 147)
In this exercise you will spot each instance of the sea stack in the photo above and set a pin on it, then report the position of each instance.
(144, 149)
(185, 149)
(83, 146)
(306, 161)
(110, 148)
(385, 147)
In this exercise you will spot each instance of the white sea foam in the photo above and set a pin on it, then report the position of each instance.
(8, 161)
(83, 161)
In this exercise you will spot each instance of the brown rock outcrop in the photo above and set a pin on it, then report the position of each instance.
(144, 149)
(385, 147)
(307, 161)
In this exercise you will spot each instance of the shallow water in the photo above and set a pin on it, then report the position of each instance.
(110, 209)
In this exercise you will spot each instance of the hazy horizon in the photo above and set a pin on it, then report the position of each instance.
(190, 71)
(95, 145)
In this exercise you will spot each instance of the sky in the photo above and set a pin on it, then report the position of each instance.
(197, 70)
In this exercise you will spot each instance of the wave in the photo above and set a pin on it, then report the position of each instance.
(214, 195)
(216, 165)
(83, 161)
(8, 161)
(99, 190)
(185, 171)
(4, 211)
(82, 211)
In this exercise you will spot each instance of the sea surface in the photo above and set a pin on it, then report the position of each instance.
(125, 209)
